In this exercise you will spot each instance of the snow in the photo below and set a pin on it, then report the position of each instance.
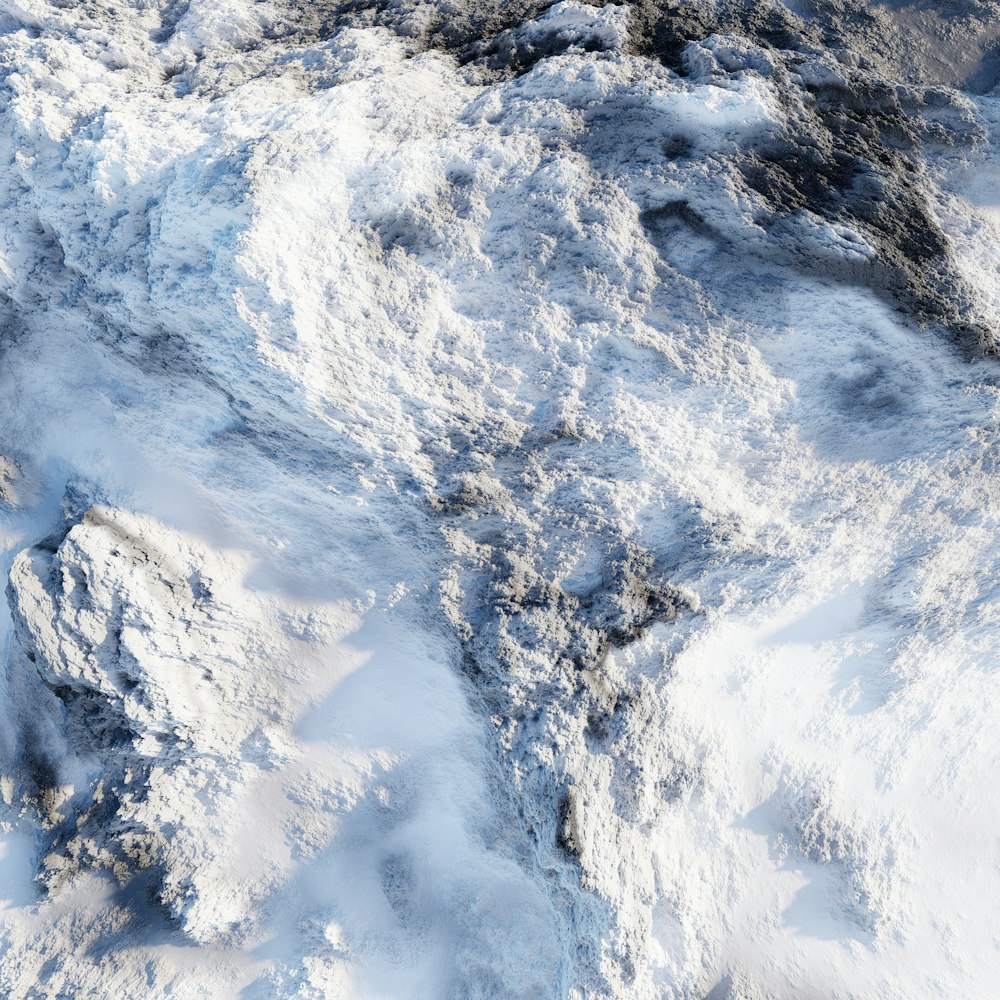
(464, 540)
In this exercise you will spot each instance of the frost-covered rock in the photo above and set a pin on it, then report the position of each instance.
(536, 534)
(152, 713)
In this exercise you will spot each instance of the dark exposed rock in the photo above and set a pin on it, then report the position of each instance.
(853, 150)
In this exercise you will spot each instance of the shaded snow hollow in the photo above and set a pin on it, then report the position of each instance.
(498, 502)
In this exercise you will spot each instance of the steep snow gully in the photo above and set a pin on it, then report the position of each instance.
(499, 499)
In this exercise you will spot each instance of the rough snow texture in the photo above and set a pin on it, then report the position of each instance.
(498, 500)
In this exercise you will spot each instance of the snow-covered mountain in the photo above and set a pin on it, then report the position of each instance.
(499, 500)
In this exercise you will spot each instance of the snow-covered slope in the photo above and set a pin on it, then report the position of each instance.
(499, 500)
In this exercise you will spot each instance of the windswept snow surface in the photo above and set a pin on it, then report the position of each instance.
(500, 501)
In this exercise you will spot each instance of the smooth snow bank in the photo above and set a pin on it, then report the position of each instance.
(465, 541)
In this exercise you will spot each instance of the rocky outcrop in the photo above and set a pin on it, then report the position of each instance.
(138, 662)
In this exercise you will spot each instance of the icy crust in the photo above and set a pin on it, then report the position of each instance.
(527, 552)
